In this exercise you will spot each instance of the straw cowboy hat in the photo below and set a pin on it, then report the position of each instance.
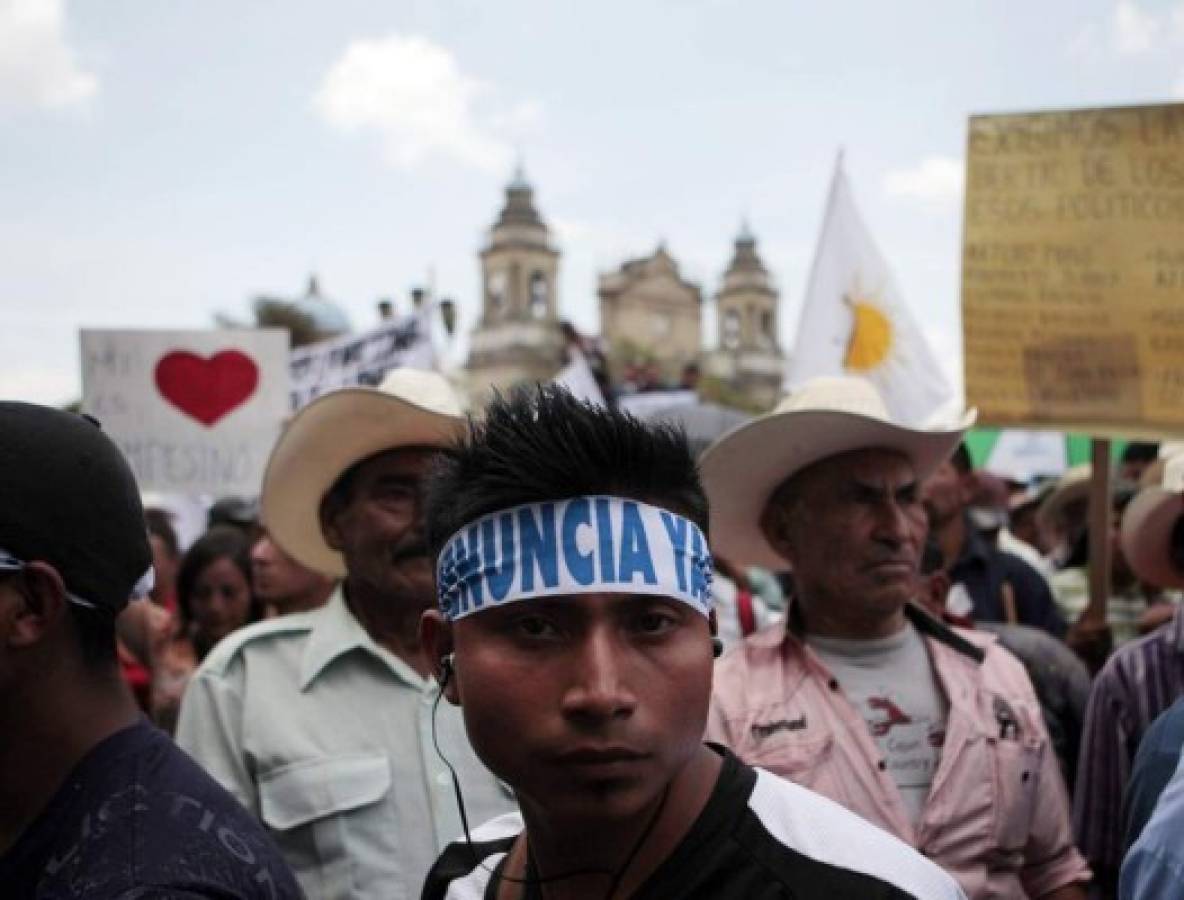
(1147, 527)
(826, 417)
(409, 408)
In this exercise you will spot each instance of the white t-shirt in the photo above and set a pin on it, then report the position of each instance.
(892, 684)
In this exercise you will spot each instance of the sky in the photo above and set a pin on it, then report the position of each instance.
(163, 163)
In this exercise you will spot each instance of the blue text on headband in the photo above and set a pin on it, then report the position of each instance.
(582, 545)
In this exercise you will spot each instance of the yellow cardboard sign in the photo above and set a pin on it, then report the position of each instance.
(1073, 270)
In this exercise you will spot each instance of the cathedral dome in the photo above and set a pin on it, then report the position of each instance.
(326, 316)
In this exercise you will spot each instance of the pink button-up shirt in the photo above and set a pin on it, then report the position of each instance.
(997, 817)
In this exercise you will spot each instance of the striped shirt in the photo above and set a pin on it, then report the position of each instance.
(1140, 681)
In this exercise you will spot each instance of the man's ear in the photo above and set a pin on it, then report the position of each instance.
(327, 515)
(967, 487)
(937, 586)
(775, 524)
(39, 607)
(435, 640)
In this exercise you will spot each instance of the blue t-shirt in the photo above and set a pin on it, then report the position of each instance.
(1153, 768)
(137, 818)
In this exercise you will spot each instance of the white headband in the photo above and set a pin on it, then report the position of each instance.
(582, 545)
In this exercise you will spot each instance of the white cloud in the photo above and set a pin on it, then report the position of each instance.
(1134, 30)
(1131, 30)
(1178, 87)
(413, 94)
(38, 68)
(937, 180)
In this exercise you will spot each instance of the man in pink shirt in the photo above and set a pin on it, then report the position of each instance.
(932, 733)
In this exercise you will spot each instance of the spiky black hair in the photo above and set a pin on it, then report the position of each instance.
(544, 444)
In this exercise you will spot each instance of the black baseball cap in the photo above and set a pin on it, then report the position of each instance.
(68, 497)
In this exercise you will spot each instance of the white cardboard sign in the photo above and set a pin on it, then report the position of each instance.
(195, 412)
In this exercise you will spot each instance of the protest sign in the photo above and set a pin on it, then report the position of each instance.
(645, 404)
(361, 359)
(1073, 270)
(195, 412)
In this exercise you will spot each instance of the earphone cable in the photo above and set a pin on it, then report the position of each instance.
(464, 817)
(616, 875)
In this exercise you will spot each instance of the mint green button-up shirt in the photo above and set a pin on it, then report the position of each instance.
(326, 736)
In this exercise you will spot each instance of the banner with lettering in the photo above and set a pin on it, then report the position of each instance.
(362, 359)
(1073, 270)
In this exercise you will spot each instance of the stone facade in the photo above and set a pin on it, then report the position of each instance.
(650, 313)
(518, 338)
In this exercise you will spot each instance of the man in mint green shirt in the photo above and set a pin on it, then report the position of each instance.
(321, 722)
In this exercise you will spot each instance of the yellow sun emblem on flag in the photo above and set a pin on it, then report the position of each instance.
(871, 334)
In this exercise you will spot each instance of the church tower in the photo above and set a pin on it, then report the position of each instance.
(518, 338)
(749, 356)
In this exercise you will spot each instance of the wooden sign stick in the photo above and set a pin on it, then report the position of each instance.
(1100, 516)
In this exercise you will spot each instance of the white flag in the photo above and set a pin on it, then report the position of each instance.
(1024, 455)
(577, 377)
(855, 322)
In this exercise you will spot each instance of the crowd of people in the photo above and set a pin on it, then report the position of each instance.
(544, 652)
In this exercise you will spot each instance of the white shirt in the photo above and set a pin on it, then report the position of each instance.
(326, 736)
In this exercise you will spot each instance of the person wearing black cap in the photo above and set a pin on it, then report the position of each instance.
(94, 801)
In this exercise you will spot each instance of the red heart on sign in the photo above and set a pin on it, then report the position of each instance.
(206, 389)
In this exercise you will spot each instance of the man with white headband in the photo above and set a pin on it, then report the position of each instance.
(95, 802)
(575, 632)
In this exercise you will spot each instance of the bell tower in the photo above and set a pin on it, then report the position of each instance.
(749, 355)
(519, 267)
(518, 338)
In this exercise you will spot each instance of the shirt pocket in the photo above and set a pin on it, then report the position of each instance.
(309, 805)
(1016, 764)
(803, 760)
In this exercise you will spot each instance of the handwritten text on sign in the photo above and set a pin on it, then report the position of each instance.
(195, 412)
(361, 360)
(1073, 269)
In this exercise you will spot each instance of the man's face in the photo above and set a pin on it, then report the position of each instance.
(854, 531)
(277, 578)
(1132, 470)
(945, 493)
(379, 527)
(587, 705)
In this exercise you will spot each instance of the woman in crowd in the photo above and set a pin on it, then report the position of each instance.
(214, 598)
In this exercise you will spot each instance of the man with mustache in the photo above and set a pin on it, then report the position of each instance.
(932, 733)
(320, 722)
(575, 630)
